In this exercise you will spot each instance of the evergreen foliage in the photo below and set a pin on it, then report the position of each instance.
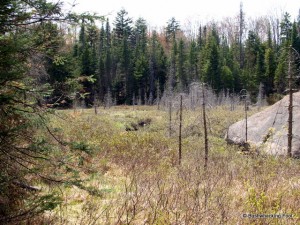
(35, 69)
(131, 61)
(41, 67)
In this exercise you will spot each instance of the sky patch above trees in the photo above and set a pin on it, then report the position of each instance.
(157, 13)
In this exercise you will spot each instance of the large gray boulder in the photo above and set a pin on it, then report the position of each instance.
(268, 129)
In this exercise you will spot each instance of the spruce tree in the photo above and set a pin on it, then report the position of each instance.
(295, 37)
(286, 29)
(123, 26)
(172, 67)
(82, 38)
(141, 60)
(123, 50)
(158, 62)
(253, 67)
(193, 62)
(172, 28)
(25, 154)
(182, 80)
(211, 73)
(227, 77)
(270, 67)
(108, 57)
(102, 81)
(281, 71)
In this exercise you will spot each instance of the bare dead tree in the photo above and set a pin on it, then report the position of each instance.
(260, 97)
(150, 100)
(205, 127)
(170, 116)
(75, 103)
(244, 95)
(232, 102)
(139, 101)
(241, 32)
(157, 95)
(95, 109)
(108, 101)
(290, 109)
(246, 121)
(145, 99)
(133, 102)
(180, 128)
(293, 56)
(96, 104)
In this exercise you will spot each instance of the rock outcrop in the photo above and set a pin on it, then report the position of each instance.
(268, 129)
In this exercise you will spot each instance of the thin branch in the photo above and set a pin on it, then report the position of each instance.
(50, 132)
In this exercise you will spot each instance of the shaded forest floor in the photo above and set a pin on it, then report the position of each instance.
(130, 172)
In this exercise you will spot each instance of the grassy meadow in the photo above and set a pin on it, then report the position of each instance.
(127, 164)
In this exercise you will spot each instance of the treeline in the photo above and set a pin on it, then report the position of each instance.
(45, 62)
(128, 62)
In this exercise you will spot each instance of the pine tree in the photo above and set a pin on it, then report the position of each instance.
(182, 80)
(82, 38)
(253, 69)
(86, 62)
(153, 63)
(193, 62)
(282, 67)
(162, 67)
(241, 33)
(295, 37)
(260, 66)
(141, 58)
(102, 80)
(286, 29)
(122, 50)
(123, 26)
(270, 67)
(108, 57)
(172, 67)
(87, 58)
(158, 62)
(140, 34)
(211, 73)
(172, 28)
(200, 38)
(281, 72)
(227, 77)
(26, 35)
(92, 39)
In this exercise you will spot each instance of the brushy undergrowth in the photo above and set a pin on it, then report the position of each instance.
(131, 173)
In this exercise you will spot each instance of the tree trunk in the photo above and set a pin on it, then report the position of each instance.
(290, 109)
(180, 128)
(170, 117)
(205, 129)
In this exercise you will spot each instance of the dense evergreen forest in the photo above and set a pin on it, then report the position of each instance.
(125, 61)
(55, 59)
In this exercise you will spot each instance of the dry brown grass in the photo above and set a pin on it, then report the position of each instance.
(138, 175)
